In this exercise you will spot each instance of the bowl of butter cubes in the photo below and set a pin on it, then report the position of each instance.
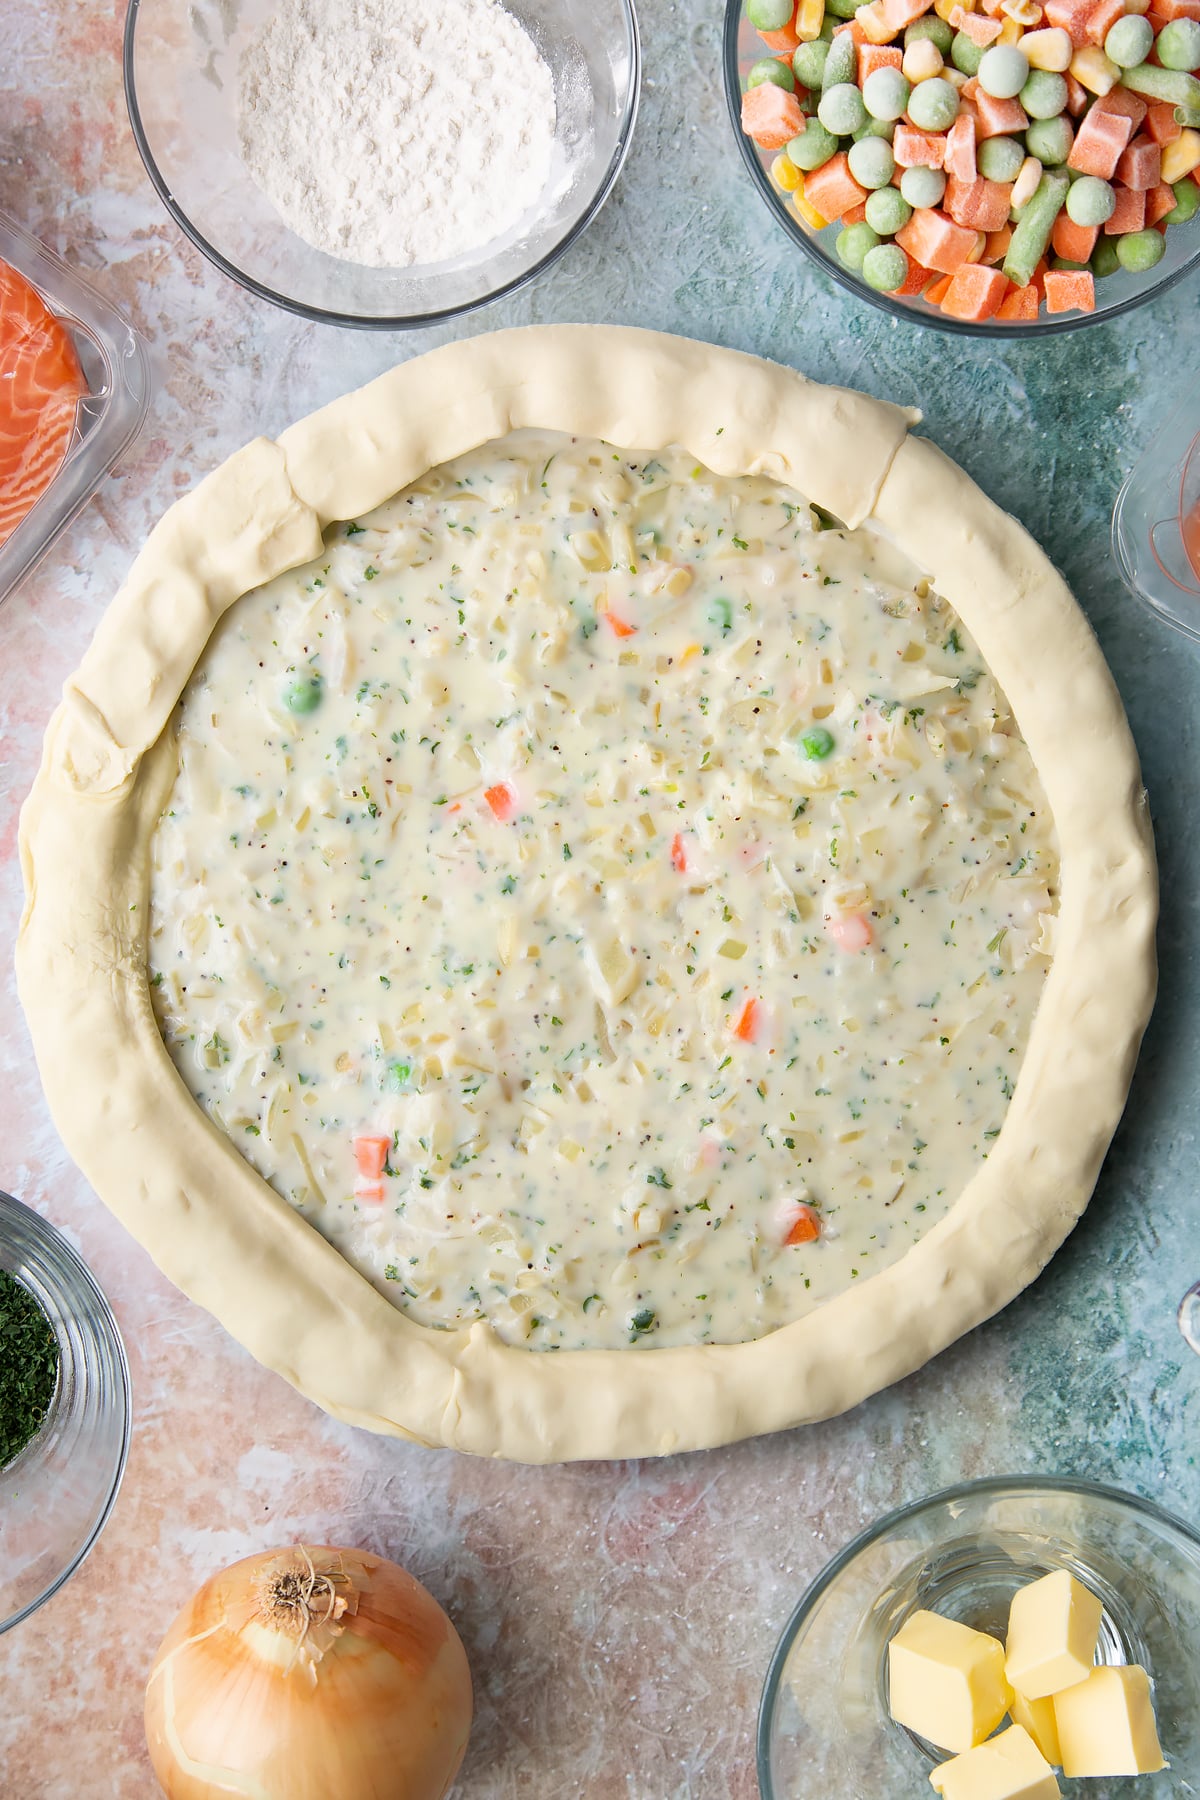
(1011, 167)
(1017, 1639)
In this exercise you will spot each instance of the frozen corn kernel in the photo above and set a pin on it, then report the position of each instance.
(810, 16)
(1181, 157)
(1095, 71)
(922, 61)
(1049, 49)
(785, 174)
(1027, 13)
(1026, 184)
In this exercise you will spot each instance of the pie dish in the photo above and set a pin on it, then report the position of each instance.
(103, 806)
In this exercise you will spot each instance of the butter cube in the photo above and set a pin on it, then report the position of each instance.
(1037, 1718)
(1053, 1625)
(1106, 1725)
(946, 1681)
(1007, 1767)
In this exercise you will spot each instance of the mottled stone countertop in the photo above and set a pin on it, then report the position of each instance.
(619, 1619)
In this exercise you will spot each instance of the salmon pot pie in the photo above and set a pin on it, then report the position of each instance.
(598, 929)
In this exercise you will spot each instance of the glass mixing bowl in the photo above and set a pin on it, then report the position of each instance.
(181, 66)
(1114, 294)
(57, 1493)
(824, 1731)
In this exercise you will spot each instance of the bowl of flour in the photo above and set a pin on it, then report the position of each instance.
(382, 163)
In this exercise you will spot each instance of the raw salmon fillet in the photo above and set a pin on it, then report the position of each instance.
(40, 385)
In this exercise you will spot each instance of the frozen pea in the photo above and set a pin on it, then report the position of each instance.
(966, 54)
(769, 68)
(1044, 95)
(1105, 260)
(885, 268)
(853, 243)
(1129, 41)
(769, 15)
(1187, 203)
(814, 146)
(1003, 71)
(924, 187)
(841, 109)
(936, 30)
(1138, 251)
(889, 212)
(1050, 141)
(303, 695)
(886, 92)
(933, 105)
(1178, 45)
(1000, 158)
(877, 128)
(808, 63)
(1090, 201)
(841, 64)
(871, 162)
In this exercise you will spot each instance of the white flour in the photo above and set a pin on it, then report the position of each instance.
(393, 132)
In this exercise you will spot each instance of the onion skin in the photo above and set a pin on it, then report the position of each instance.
(383, 1713)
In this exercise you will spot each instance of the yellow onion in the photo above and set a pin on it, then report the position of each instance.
(309, 1674)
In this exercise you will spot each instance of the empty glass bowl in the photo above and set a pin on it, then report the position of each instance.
(181, 69)
(1156, 522)
(1114, 294)
(57, 1493)
(824, 1729)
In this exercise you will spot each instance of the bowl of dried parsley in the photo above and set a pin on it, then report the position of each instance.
(64, 1410)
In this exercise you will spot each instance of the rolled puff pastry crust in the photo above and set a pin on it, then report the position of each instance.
(216, 1228)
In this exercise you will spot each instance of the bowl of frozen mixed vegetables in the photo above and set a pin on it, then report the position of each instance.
(1001, 166)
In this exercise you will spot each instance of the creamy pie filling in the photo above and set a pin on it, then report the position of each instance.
(604, 898)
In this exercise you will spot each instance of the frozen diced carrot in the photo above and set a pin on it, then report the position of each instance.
(915, 282)
(1178, 9)
(832, 189)
(771, 116)
(857, 34)
(981, 205)
(1140, 166)
(1074, 243)
(1156, 21)
(996, 248)
(936, 241)
(1070, 290)
(1161, 124)
(1160, 201)
(975, 292)
(998, 118)
(959, 160)
(936, 292)
(1129, 214)
(1103, 15)
(786, 40)
(1019, 303)
(981, 31)
(877, 56)
(899, 13)
(1072, 16)
(1099, 143)
(1078, 98)
(1124, 103)
(919, 149)
(856, 215)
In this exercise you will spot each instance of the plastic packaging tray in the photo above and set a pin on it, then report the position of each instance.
(116, 368)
